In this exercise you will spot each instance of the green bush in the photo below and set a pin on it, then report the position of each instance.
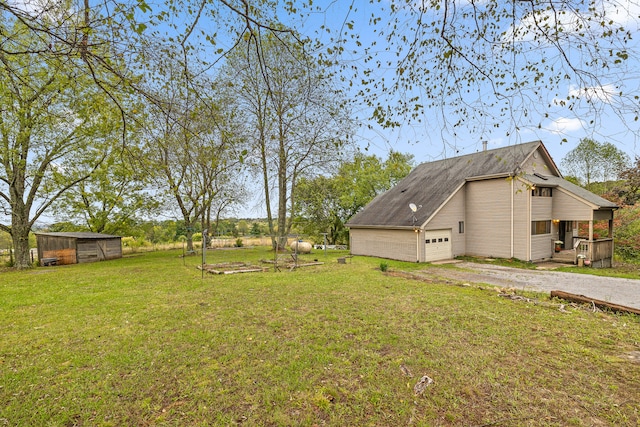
(384, 266)
(239, 243)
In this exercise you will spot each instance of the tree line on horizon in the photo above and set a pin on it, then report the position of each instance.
(127, 109)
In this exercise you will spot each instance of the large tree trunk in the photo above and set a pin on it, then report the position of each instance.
(20, 225)
(20, 236)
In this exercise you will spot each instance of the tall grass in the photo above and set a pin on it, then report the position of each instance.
(146, 340)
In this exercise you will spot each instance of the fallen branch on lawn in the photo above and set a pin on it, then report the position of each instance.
(594, 302)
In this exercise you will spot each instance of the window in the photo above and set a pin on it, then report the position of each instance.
(460, 227)
(540, 227)
(427, 241)
(541, 192)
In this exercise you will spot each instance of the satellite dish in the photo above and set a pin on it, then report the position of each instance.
(413, 207)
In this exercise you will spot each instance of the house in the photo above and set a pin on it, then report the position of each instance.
(75, 248)
(510, 202)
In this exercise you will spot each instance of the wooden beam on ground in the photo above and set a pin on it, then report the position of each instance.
(598, 303)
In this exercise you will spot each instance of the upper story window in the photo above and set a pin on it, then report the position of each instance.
(541, 192)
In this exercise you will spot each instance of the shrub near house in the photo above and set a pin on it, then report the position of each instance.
(627, 232)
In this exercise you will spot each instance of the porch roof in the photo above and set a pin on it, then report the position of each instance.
(555, 181)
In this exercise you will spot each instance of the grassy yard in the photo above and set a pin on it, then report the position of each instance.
(145, 341)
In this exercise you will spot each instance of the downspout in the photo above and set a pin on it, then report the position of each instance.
(512, 179)
(529, 233)
(417, 230)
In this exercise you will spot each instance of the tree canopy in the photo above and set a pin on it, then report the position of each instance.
(325, 203)
(593, 161)
(56, 128)
(473, 65)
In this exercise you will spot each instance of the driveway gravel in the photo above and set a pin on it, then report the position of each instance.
(624, 292)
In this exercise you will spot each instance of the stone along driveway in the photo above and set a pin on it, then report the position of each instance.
(624, 292)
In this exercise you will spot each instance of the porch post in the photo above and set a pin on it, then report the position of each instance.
(610, 228)
(591, 230)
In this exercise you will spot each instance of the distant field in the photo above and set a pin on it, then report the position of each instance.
(147, 341)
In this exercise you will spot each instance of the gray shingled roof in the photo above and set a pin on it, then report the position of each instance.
(431, 184)
(554, 181)
(80, 235)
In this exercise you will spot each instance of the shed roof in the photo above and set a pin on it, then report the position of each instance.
(431, 184)
(80, 235)
(554, 181)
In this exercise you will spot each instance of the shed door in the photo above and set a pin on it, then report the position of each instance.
(437, 245)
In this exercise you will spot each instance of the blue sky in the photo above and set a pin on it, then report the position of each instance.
(559, 127)
(598, 112)
(435, 137)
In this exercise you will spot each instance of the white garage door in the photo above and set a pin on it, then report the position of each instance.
(437, 245)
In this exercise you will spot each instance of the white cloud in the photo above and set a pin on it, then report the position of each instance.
(563, 125)
(565, 22)
(605, 93)
(625, 13)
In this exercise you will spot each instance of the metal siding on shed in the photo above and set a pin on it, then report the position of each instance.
(392, 244)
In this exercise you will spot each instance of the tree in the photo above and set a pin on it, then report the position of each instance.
(326, 203)
(367, 176)
(55, 131)
(112, 199)
(630, 191)
(188, 152)
(484, 63)
(295, 120)
(320, 210)
(494, 64)
(594, 161)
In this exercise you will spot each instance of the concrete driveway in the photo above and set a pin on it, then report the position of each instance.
(624, 292)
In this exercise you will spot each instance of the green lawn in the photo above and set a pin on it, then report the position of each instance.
(145, 341)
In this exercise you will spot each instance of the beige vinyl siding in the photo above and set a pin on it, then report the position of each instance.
(448, 218)
(488, 229)
(602, 215)
(521, 221)
(541, 247)
(568, 208)
(391, 244)
(537, 164)
(541, 208)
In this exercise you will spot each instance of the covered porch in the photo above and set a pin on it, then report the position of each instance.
(588, 242)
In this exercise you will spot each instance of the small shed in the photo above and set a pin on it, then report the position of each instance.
(77, 247)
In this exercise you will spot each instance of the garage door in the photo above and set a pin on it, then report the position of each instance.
(437, 245)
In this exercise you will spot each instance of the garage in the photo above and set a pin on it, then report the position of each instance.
(437, 245)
